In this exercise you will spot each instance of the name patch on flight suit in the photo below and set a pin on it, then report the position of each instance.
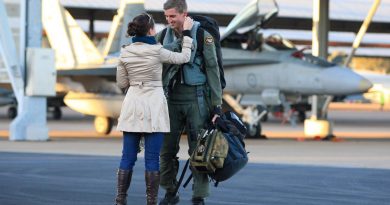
(209, 40)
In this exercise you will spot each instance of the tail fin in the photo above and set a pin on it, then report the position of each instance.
(73, 47)
(117, 36)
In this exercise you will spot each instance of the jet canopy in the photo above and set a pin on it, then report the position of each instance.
(254, 15)
(243, 30)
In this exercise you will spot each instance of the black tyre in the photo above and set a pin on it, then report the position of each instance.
(57, 113)
(103, 125)
(254, 131)
(301, 116)
(12, 112)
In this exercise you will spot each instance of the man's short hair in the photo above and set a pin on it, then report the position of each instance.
(179, 5)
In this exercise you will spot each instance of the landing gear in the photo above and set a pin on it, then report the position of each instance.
(251, 115)
(254, 131)
(103, 125)
(301, 116)
(260, 109)
(254, 117)
(12, 112)
(265, 118)
(57, 113)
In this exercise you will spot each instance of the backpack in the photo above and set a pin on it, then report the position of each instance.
(204, 161)
(237, 156)
(211, 26)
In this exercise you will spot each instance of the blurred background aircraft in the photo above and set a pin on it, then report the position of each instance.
(7, 98)
(261, 73)
(277, 73)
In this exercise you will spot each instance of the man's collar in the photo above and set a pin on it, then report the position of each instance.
(177, 34)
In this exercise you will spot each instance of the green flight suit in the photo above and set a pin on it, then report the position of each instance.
(185, 112)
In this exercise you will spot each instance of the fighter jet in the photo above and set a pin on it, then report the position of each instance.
(284, 76)
(273, 73)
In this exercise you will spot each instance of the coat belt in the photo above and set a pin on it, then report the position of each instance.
(142, 84)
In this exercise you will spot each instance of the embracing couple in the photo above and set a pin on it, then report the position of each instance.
(171, 86)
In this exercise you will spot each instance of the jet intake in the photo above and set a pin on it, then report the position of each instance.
(271, 97)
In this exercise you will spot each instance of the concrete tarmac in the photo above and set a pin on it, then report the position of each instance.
(80, 168)
(349, 121)
(68, 179)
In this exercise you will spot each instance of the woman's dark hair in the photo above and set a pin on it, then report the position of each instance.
(140, 25)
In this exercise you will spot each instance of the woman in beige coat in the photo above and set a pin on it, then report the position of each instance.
(144, 110)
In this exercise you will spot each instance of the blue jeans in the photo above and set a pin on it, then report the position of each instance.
(153, 143)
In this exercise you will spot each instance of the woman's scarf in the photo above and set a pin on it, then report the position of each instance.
(145, 39)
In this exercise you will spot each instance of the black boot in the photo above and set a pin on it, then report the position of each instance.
(170, 199)
(152, 180)
(197, 201)
(124, 179)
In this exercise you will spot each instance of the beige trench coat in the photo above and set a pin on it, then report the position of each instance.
(145, 108)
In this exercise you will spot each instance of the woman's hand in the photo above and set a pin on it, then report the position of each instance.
(188, 23)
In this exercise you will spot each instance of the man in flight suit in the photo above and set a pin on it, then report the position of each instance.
(194, 98)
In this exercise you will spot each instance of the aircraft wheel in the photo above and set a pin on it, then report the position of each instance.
(301, 116)
(103, 125)
(57, 113)
(12, 112)
(254, 131)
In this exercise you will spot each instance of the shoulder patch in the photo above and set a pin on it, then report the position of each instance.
(209, 40)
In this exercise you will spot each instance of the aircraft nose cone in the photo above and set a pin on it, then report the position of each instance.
(343, 81)
(364, 85)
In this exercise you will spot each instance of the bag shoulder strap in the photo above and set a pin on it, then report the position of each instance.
(162, 36)
(200, 38)
(187, 181)
(182, 176)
